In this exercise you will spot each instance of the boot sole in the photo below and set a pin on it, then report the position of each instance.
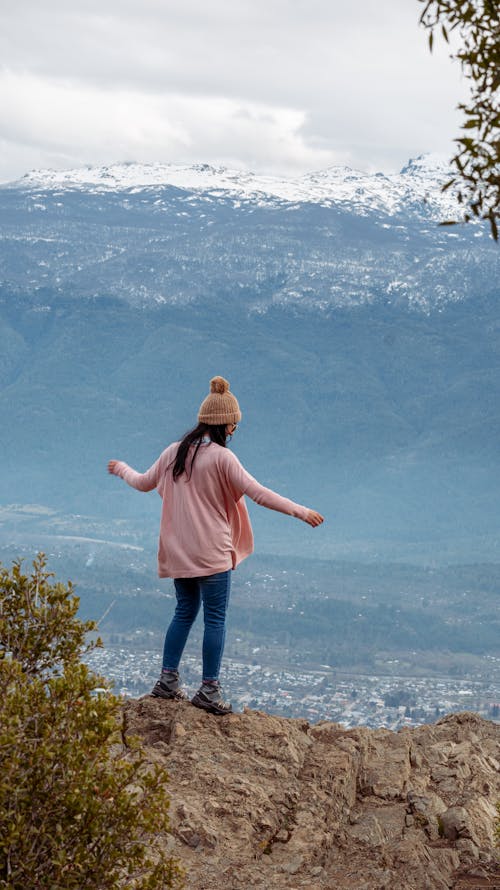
(211, 707)
(176, 696)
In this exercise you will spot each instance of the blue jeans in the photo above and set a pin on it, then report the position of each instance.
(213, 591)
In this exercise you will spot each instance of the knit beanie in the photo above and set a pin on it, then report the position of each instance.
(220, 406)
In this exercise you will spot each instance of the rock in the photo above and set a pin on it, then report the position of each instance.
(415, 759)
(265, 802)
(283, 836)
(483, 816)
(179, 730)
(425, 810)
(385, 765)
(456, 823)
(467, 848)
(428, 804)
(368, 830)
(188, 836)
(488, 856)
(478, 872)
(293, 866)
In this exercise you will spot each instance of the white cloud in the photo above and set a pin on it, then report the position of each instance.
(63, 124)
(285, 86)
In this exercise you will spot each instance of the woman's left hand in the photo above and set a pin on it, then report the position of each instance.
(111, 466)
(314, 518)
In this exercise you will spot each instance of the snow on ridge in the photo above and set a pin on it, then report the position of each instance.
(115, 177)
(427, 164)
(421, 179)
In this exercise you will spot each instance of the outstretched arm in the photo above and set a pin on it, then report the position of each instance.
(243, 483)
(266, 497)
(142, 481)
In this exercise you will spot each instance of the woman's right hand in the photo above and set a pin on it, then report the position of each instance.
(313, 518)
(111, 466)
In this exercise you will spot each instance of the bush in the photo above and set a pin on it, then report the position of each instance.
(79, 805)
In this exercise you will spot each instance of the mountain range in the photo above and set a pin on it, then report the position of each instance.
(360, 336)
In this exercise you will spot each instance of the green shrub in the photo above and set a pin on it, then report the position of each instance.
(79, 805)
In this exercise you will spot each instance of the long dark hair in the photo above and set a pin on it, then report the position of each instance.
(215, 431)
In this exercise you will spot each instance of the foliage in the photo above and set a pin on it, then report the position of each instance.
(477, 161)
(79, 806)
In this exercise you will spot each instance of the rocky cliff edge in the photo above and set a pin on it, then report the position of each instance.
(267, 802)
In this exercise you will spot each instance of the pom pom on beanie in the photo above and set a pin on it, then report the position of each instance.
(218, 384)
(220, 406)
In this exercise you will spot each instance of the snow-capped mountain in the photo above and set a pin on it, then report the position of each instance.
(177, 235)
(359, 334)
(416, 188)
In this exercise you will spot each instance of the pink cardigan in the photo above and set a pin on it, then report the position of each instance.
(205, 527)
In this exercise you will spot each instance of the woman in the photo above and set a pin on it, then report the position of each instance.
(205, 532)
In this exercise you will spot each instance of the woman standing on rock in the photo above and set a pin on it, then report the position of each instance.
(205, 532)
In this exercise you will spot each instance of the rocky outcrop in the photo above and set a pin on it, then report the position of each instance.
(266, 802)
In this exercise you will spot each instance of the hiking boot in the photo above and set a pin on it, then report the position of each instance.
(209, 699)
(168, 686)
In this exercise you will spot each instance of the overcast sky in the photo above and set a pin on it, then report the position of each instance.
(276, 86)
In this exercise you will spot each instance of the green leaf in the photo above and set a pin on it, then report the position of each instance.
(75, 811)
